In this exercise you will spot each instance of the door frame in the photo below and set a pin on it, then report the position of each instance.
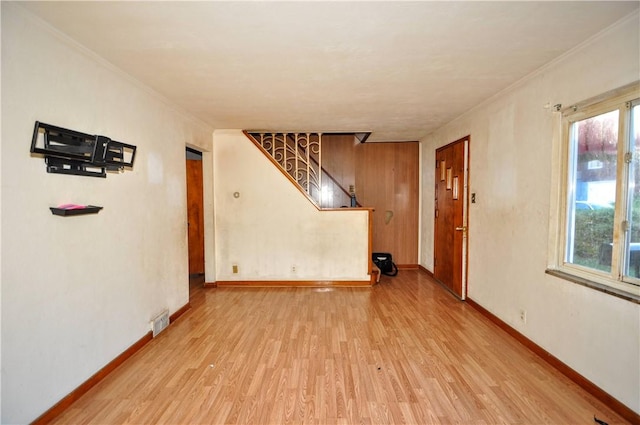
(465, 217)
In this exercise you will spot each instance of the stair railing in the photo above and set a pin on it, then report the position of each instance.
(293, 152)
(333, 194)
(299, 155)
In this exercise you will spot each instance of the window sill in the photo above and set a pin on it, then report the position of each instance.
(595, 285)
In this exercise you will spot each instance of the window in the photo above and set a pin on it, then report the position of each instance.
(599, 211)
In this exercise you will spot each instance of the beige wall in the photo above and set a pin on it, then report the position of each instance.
(511, 167)
(272, 227)
(77, 291)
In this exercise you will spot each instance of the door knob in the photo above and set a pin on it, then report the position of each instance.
(461, 229)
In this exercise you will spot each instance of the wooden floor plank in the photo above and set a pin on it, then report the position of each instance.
(403, 351)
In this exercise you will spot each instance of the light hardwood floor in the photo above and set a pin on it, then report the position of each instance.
(402, 352)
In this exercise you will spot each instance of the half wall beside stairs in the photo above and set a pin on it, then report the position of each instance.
(268, 230)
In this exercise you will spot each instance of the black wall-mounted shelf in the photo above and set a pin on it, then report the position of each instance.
(89, 209)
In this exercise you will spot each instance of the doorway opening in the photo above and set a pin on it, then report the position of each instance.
(195, 219)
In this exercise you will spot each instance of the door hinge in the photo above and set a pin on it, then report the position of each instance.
(628, 157)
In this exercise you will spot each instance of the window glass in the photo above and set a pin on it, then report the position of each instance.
(592, 191)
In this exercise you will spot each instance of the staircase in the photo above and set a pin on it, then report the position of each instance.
(299, 156)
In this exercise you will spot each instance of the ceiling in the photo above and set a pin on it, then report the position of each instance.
(398, 69)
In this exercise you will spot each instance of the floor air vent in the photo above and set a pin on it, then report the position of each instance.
(160, 323)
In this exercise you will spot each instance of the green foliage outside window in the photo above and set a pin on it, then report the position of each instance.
(594, 229)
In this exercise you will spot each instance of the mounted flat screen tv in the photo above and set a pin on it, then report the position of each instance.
(72, 152)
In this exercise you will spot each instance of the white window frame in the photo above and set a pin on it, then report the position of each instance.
(613, 283)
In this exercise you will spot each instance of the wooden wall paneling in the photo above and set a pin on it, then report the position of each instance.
(338, 161)
(334, 201)
(338, 157)
(406, 199)
(387, 180)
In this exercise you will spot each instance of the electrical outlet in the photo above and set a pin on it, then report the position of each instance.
(234, 268)
(293, 269)
(523, 316)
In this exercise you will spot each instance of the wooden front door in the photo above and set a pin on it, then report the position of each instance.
(195, 217)
(450, 250)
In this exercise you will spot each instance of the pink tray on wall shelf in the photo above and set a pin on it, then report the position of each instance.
(73, 209)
